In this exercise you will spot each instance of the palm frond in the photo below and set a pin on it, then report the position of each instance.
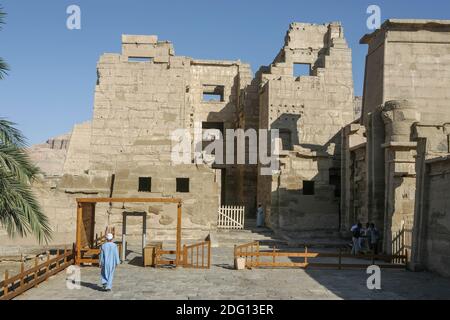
(11, 135)
(20, 212)
(4, 68)
(17, 162)
(2, 17)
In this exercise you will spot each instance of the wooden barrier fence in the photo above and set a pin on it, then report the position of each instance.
(13, 286)
(202, 260)
(254, 258)
(196, 256)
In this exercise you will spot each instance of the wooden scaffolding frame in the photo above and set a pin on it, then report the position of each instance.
(86, 221)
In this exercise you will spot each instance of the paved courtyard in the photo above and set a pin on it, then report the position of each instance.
(134, 282)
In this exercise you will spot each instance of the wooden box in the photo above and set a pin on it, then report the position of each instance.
(149, 253)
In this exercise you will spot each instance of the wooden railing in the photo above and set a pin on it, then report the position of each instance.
(243, 250)
(13, 286)
(161, 260)
(401, 241)
(254, 258)
(196, 256)
(231, 217)
(202, 255)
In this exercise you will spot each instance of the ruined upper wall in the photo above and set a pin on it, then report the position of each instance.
(319, 103)
(147, 92)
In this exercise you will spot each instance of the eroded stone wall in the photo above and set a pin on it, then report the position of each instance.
(310, 111)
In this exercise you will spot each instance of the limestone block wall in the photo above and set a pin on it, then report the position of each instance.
(310, 112)
(353, 173)
(79, 150)
(436, 248)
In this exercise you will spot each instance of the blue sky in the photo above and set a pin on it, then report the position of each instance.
(53, 70)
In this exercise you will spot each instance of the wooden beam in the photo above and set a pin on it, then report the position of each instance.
(128, 200)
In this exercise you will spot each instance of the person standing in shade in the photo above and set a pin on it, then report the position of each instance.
(260, 216)
(356, 234)
(109, 260)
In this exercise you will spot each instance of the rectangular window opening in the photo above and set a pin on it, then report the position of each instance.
(213, 93)
(302, 69)
(286, 139)
(145, 184)
(183, 185)
(308, 188)
(140, 59)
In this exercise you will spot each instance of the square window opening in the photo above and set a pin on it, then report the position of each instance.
(183, 185)
(302, 69)
(308, 188)
(213, 93)
(145, 184)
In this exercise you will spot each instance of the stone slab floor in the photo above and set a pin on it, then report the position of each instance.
(134, 282)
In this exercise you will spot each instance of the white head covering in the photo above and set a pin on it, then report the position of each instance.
(109, 236)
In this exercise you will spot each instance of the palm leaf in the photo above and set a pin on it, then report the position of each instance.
(11, 135)
(16, 162)
(20, 212)
(4, 68)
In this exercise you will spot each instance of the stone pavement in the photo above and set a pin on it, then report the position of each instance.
(134, 282)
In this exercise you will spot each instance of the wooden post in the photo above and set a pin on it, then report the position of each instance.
(246, 256)
(251, 257)
(185, 256)
(22, 269)
(209, 254)
(48, 265)
(5, 291)
(178, 234)
(257, 257)
(77, 255)
(65, 254)
(36, 263)
(274, 248)
(197, 255)
(203, 255)
(58, 259)
(306, 258)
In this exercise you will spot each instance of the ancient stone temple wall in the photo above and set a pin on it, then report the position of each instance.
(309, 110)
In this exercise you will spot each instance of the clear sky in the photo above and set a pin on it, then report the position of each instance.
(53, 70)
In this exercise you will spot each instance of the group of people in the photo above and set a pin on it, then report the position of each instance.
(365, 239)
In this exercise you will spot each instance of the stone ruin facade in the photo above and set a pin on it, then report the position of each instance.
(382, 158)
(310, 111)
(395, 157)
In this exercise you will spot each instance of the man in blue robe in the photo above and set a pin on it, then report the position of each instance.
(109, 260)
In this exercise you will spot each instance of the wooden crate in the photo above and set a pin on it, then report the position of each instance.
(149, 254)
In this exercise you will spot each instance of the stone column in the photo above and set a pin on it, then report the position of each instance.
(400, 173)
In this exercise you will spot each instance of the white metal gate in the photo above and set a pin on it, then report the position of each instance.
(231, 217)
